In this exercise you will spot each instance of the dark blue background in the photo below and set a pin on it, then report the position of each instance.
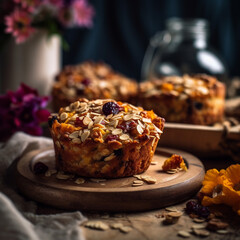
(122, 29)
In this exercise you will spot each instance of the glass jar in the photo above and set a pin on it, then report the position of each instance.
(182, 48)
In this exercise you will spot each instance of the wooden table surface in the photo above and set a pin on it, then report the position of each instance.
(149, 225)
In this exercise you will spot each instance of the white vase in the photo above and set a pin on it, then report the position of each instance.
(34, 62)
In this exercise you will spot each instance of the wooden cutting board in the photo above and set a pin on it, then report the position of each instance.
(114, 195)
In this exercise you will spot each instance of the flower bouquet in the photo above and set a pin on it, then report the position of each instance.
(22, 18)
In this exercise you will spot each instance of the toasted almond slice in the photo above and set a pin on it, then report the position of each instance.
(117, 131)
(97, 225)
(97, 180)
(222, 231)
(176, 214)
(80, 181)
(63, 176)
(158, 130)
(98, 119)
(198, 226)
(149, 179)
(138, 181)
(199, 220)
(86, 120)
(138, 176)
(50, 172)
(201, 232)
(116, 225)
(109, 116)
(67, 109)
(140, 123)
(85, 135)
(184, 234)
(171, 209)
(125, 229)
(154, 163)
(75, 105)
(139, 129)
(63, 116)
(146, 120)
(128, 117)
(124, 137)
(73, 134)
(90, 125)
(137, 184)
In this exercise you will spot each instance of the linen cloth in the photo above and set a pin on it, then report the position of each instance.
(18, 218)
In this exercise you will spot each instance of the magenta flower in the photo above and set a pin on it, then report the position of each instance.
(22, 110)
(19, 24)
(83, 13)
(30, 5)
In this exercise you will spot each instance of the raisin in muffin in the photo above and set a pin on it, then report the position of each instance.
(104, 138)
(195, 99)
(91, 80)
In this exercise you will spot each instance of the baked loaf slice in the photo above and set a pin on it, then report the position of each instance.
(104, 138)
(91, 80)
(195, 99)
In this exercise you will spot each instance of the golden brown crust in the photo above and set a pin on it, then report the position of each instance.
(197, 99)
(89, 143)
(92, 81)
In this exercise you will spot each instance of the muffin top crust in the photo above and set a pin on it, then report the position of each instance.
(199, 85)
(105, 121)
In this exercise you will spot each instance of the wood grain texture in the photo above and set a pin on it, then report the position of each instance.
(117, 195)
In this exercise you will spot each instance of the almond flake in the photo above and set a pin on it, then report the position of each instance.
(97, 180)
(146, 120)
(124, 137)
(50, 172)
(127, 117)
(75, 105)
(90, 124)
(149, 179)
(80, 181)
(154, 163)
(184, 234)
(116, 225)
(125, 229)
(97, 225)
(98, 119)
(137, 184)
(139, 122)
(86, 120)
(154, 140)
(138, 176)
(67, 109)
(85, 135)
(171, 209)
(114, 123)
(63, 176)
(73, 134)
(109, 116)
(138, 181)
(63, 116)
(117, 131)
(110, 157)
(139, 129)
(158, 130)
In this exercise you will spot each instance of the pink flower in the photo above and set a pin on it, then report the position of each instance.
(83, 13)
(30, 5)
(19, 24)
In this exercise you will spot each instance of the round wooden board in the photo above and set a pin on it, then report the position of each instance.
(113, 195)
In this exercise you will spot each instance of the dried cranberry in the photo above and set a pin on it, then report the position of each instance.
(79, 122)
(195, 208)
(192, 207)
(40, 168)
(110, 138)
(86, 81)
(110, 108)
(203, 212)
(128, 126)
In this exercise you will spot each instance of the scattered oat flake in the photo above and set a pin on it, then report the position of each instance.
(80, 181)
(201, 232)
(97, 180)
(198, 226)
(125, 229)
(222, 231)
(137, 181)
(171, 209)
(116, 225)
(124, 137)
(184, 234)
(50, 172)
(63, 176)
(199, 220)
(97, 225)
(154, 163)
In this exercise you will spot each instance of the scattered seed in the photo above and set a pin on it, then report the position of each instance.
(76, 140)
(154, 163)
(50, 172)
(63, 176)
(184, 234)
(116, 225)
(199, 220)
(171, 209)
(201, 232)
(97, 180)
(138, 181)
(172, 171)
(125, 229)
(198, 226)
(222, 231)
(127, 117)
(139, 129)
(80, 181)
(146, 120)
(137, 176)
(175, 214)
(97, 225)
(75, 105)
(73, 135)
(87, 120)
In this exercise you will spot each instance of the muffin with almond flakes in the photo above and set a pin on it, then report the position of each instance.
(197, 99)
(91, 80)
(104, 138)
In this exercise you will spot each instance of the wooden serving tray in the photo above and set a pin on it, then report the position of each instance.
(113, 195)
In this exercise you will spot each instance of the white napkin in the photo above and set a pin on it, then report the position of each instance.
(18, 220)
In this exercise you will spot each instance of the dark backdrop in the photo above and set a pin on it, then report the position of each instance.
(122, 29)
